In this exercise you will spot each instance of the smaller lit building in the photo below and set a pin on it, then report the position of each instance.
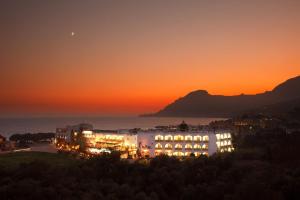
(2, 139)
(67, 138)
(68, 132)
(103, 141)
(6, 145)
(224, 142)
(2, 142)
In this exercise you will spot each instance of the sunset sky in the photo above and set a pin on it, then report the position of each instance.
(131, 57)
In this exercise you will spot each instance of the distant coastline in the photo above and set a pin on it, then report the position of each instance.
(9, 126)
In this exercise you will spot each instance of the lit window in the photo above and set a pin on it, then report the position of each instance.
(178, 154)
(158, 146)
(158, 152)
(197, 138)
(168, 137)
(188, 138)
(197, 153)
(178, 146)
(187, 154)
(159, 137)
(168, 146)
(204, 146)
(178, 137)
(197, 146)
(205, 138)
(120, 137)
(188, 146)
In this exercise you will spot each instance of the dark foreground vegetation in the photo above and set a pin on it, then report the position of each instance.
(265, 167)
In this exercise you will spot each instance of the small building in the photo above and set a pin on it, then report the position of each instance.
(6, 145)
(66, 134)
(2, 139)
(99, 141)
(2, 142)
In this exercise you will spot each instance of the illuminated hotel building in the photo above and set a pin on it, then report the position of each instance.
(184, 143)
(153, 142)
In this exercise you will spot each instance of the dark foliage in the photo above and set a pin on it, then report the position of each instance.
(31, 137)
(265, 167)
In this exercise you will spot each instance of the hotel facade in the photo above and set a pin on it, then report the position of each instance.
(184, 143)
(150, 142)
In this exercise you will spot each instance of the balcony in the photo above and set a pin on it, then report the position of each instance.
(168, 138)
(178, 138)
(158, 146)
(178, 147)
(188, 147)
(159, 138)
(204, 148)
(188, 138)
(168, 146)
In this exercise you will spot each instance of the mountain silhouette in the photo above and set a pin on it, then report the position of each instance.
(200, 103)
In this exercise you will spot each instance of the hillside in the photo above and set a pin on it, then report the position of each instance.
(202, 104)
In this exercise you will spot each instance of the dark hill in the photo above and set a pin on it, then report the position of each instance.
(201, 104)
(283, 107)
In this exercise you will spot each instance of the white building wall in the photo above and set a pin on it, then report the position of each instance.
(146, 140)
(212, 146)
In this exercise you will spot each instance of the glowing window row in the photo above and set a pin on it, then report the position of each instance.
(179, 153)
(223, 136)
(109, 137)
(229, 149)
(180, 146)
(181, 138)
(223, 143)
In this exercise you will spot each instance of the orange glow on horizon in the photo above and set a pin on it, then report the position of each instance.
(134, 102)
(137, 58)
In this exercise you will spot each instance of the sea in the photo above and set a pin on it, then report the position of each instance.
(9, 126)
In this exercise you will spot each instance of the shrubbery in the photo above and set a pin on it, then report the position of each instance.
(31, 137)
(253, 172)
